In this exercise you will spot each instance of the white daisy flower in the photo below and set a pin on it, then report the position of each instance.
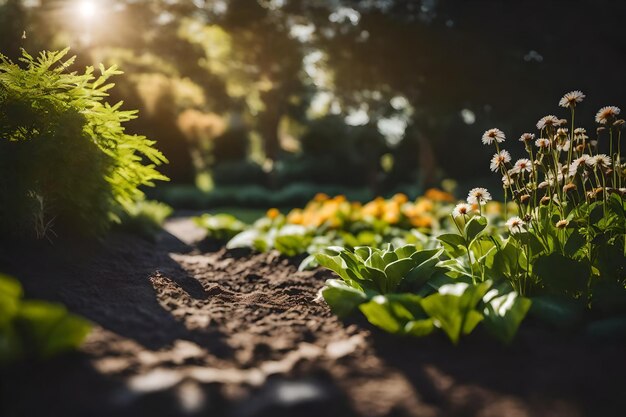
(547, 121)
(571, 99)
(527, 137)
(542, 143)
(523, 165)
(478, 196)
(578, 163)
(462, 209)
(600, 160)
(516, 225)
(493, 135)
(499, 160)
(606, 114)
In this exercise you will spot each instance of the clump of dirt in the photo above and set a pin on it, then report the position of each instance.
(180, 331)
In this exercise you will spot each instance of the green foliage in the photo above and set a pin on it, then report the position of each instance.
(381, 271)
(405, 291)
(35, 328)
(220, 226)
(65, 159)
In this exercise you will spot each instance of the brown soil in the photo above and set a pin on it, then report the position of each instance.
(181, 330)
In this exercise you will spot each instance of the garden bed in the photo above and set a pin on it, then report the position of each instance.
(183, 327)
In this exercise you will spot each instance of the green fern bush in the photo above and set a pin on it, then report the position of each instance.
(66, 163)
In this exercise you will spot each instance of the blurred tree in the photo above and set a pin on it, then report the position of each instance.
(461, 67)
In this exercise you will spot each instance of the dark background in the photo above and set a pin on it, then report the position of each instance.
(227, 88)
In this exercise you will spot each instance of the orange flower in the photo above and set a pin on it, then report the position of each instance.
(439, 195)
(319, 197)
(424, 205)
(400, 198)
(295, 217)
(272, 213)
(422, 221)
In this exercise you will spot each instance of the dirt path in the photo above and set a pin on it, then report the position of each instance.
(184, 331)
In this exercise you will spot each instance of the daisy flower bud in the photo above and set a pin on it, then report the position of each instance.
(571, 99)
(580, 134)
(562, 224)
(562, 132)
(563, 147)
(493, 135)
(478, 196)
(569, 187)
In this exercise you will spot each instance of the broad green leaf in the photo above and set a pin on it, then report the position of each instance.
(474, 227)
(376, 261)
(341, 298)
(10, 294)
(504, 313)
(291, 245)
(405, 251)
(506, 261)
(363, 252)
(389, 256)
(425, 255)
(410, 302)
(419, 328)
(378, 312)
(334, 263)
(49, 328)
(454, 244)
(453, 308)
(396, 271)
(560, 273)
(574, 243)
(376, 276)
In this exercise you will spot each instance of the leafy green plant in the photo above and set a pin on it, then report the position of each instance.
(220, 226)
(406, 291)
(569, 237)
(66, 162)
(35, 328)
